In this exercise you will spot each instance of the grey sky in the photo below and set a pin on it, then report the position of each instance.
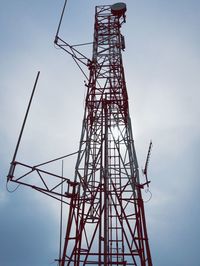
(162, 65)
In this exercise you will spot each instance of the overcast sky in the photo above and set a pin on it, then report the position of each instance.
(161, 61)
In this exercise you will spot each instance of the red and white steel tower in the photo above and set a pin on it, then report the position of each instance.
(106, 220)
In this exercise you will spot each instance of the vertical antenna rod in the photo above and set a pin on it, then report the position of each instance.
(11, 171)
(61, 18)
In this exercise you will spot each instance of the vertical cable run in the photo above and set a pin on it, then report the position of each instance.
(61, 216)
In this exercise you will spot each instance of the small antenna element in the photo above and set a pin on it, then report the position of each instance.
(146, 164)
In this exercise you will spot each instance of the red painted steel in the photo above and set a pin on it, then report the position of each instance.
(106, 223)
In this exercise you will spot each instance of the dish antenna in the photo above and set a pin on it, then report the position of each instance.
(118, 9)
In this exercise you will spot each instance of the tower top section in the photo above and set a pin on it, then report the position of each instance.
(118, 9)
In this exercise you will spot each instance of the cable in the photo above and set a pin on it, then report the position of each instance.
(148, 191)
(11, 191)
(56, 46)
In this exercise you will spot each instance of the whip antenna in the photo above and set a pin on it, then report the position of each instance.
(12, 167)
(60, 22)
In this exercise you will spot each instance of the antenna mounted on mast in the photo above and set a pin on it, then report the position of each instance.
(147, 163)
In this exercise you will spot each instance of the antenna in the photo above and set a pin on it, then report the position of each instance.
(147, 163)
(78, 57)
(12, 167)
(61, 18)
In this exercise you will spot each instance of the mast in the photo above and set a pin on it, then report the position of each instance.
(106, 225)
